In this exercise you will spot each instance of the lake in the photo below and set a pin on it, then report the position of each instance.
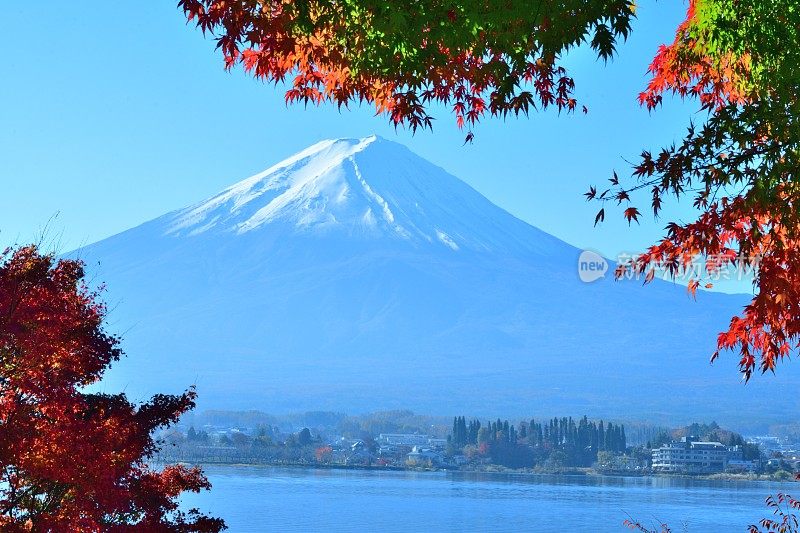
(256, 499)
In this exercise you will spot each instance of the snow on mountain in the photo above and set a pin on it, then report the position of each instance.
(355, 275)
(323, 189)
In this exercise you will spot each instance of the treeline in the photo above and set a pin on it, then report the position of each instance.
(532, 442)
(360, 426)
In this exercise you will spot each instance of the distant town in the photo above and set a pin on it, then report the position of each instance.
(402, 440)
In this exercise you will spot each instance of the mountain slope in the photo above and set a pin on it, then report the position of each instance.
(356, 275)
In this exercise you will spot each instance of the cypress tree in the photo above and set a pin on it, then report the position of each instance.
(601, 436)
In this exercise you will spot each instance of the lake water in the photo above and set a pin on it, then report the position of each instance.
(255, 499)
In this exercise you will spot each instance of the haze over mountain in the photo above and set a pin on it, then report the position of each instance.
(357, 276)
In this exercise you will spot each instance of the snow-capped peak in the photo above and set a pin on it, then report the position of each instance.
(365, 188)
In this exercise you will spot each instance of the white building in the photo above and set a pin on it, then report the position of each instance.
(403, 439)
(692, 456)
(740, 465)
(437, 443)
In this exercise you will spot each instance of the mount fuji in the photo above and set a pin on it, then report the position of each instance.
(357, 276)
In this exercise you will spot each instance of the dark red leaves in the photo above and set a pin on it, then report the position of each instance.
(601, 216)
(632, 214)
(72, 461)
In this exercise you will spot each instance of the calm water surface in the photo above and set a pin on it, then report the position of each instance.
(255, 499)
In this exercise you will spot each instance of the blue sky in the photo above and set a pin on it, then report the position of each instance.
(113, 115)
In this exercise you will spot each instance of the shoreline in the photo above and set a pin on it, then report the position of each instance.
(572, 472)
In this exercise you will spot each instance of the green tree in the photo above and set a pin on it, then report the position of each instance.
(483, 436)
(605, 460)
(304, 437)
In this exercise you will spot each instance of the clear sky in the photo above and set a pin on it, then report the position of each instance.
(114, 113)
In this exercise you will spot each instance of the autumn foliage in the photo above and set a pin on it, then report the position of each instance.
(739, 168)
(494, 57)
(784, 516)
(323, 454)
(71, 460)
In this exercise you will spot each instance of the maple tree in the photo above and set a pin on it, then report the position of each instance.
(72, 460)
(784, 520)
(495, 57)
(739, 167)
